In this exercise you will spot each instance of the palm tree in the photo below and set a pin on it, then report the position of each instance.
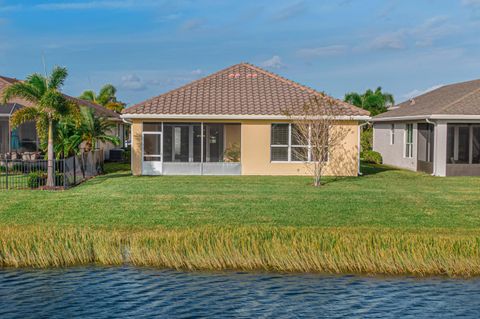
(67, 141)
(375, 102)
(93, 129)
(106, 97)
(49, 106)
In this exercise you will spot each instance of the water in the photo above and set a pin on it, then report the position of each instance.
(120, 292)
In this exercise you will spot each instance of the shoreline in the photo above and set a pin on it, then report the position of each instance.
(340, 251)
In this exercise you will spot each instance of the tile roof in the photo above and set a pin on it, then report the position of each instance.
(242, 89)
(98, 109)
(454, 99)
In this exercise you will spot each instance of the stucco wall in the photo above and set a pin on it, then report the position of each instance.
(394, 154)
(136, 131)
(255, 160)
(255, 151)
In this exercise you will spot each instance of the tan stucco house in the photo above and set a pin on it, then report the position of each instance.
(233, 122)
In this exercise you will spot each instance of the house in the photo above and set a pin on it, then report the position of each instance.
(24, 138)
(437, 132)
(233, 122)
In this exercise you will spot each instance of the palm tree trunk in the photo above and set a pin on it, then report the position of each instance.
(50, 179)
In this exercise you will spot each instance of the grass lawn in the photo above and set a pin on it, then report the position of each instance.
(382, 198)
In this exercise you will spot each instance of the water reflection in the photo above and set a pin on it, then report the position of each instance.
(142, 292)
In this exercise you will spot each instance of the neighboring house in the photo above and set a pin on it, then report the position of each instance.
(437, 132)
(24, 138)
(240, 110)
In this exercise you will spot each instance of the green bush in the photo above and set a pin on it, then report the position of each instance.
(127, 153)
(36, 179)
(366, 139)
(372, 157)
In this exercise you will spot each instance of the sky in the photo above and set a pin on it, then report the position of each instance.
(146, 47)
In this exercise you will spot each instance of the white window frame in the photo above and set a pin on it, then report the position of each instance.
(289, 146)
(392, 134)
(408, 147)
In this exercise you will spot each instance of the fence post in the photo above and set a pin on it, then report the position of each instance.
(74, 170)
(6, 173)
(64, 178)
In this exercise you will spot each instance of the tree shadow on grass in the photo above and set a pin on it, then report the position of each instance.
(373, 169)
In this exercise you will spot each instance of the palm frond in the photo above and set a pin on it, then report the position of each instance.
(107, 94)
(88, 95)
(57, 78)
(22, 90)
(23, 115)
(38, 81)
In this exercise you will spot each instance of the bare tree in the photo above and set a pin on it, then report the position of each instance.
(316, 127)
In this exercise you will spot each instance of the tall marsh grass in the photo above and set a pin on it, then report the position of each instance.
(247, 248)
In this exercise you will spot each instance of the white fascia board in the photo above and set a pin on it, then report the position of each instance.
(454, 117)
(400, 118)
(429, 117)
(231, 117)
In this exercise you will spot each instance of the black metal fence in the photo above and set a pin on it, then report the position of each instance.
(32, 174)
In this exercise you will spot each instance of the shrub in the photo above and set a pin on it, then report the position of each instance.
(127, 153)
(36, 179)
(232, 153)
(372, 157)
(366, 139)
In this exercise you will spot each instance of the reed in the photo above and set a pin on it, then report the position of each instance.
(283, 249)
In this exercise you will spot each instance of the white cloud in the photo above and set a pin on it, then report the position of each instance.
(132, 82)
(395, 40)
(290, 11)
(197, 72)
(192, 24)
(473, 3)
(416, 92)
(421, 35)
(275, 62)
(107, 4)
(322, 51)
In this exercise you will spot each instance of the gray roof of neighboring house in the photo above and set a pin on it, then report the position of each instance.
(454, 99)
(98, 109)
(242, 90)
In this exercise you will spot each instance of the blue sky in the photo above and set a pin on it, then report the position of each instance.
(148, 47)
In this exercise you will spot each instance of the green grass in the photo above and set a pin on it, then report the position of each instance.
(382, 198)
(385, 222)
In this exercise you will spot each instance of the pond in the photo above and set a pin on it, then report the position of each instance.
(117, 292)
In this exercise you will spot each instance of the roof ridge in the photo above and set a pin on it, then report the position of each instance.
(300, 86)
(186, 85)
(244, 67)
(459, 99)
(8, 80)
(283, 79)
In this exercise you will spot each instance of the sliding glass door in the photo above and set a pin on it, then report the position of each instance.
(182, 142)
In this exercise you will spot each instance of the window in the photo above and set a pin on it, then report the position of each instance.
(287, 145)
(280, 142)
(463, 144)
(425, 142)
(476, 145)
(392, 134)
(409, 141)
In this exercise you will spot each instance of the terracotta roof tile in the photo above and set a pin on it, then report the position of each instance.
(242, 89)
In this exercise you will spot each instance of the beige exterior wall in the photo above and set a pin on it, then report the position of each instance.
(136, 132)
(255, 160)
(254, 139)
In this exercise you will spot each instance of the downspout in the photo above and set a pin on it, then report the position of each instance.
(434, 173)
(358, 153)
